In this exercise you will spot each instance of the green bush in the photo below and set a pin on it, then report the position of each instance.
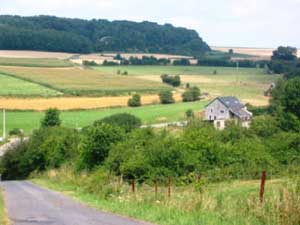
(135, 101)
(126, 121)
(16, 132)
(47, 148)
(51, 118)
(166, 97)
(95, 144)
(175, 81)
(191, 95)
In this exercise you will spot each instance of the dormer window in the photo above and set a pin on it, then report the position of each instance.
(222, 111)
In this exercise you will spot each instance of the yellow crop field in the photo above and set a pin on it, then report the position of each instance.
(78, 81)
(40, 104)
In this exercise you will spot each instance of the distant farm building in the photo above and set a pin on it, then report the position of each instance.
(224, 109)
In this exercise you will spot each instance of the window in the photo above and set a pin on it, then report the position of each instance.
(215, 117)
(222, 111)
(211, 110)
(209, 117)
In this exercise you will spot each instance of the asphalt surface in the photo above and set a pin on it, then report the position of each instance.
(28, 204)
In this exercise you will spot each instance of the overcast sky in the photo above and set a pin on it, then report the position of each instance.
(246, 23)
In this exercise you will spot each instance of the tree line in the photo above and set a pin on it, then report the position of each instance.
(49, 33)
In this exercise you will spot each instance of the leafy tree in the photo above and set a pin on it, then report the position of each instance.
(285, 53)
(135, 101)
(175, 81)
(166, 97)
(284, 60)
(124, 120)
(96, 143)
(181, 62)
(189, 113)
(191, 95)
(48, 33)
(51, 118)
(290, 100)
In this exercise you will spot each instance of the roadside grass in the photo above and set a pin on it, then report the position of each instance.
(84, 82)
(29, 120)
(32, 62)
(10, 86)
(3, 215)
(226, 203)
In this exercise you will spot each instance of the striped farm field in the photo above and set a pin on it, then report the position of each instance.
(29, 120)
(248, 84)
(83, 82)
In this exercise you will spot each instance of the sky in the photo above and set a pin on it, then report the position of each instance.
(230, 23)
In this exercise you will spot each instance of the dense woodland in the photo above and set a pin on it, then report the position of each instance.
(47, 33)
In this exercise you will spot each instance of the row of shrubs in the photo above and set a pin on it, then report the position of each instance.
(166, 97)
(118, 146)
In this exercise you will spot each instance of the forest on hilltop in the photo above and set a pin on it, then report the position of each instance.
(49, 33)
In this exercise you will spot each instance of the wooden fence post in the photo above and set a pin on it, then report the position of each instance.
(133, 186)
(155, 187)
(262, 186)
(169, 186)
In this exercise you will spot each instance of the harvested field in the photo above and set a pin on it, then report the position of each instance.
(34, 62)
(262, 53)
(87, 82)
(40, 104)
(34, 54)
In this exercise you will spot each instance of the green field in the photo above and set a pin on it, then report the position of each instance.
(78, 81)
(180, 70)
(10, 86)
(248, 84)
(31, 62)
(28, 120)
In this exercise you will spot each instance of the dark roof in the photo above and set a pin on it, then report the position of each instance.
(231, 102)
(235, 106)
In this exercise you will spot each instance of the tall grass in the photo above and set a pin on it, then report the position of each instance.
(233, 202)
(3, 215)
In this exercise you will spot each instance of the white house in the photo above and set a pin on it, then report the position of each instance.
(223, 109)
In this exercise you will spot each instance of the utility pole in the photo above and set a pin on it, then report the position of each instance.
(4, 125)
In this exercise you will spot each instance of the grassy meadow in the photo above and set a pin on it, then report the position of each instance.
(248, 84)
(225, 203)
(29, 120)
(32, 62)
(78, 81)
(10, 86)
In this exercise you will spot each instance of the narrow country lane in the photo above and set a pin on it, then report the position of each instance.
(28, 204)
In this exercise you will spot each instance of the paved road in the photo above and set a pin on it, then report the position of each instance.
(28, 204)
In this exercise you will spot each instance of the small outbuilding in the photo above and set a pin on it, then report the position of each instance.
(224, 109)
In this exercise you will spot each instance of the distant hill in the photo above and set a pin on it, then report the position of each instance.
(48, 33)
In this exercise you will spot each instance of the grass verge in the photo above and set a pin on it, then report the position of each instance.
(3, 216)
(225, 203)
